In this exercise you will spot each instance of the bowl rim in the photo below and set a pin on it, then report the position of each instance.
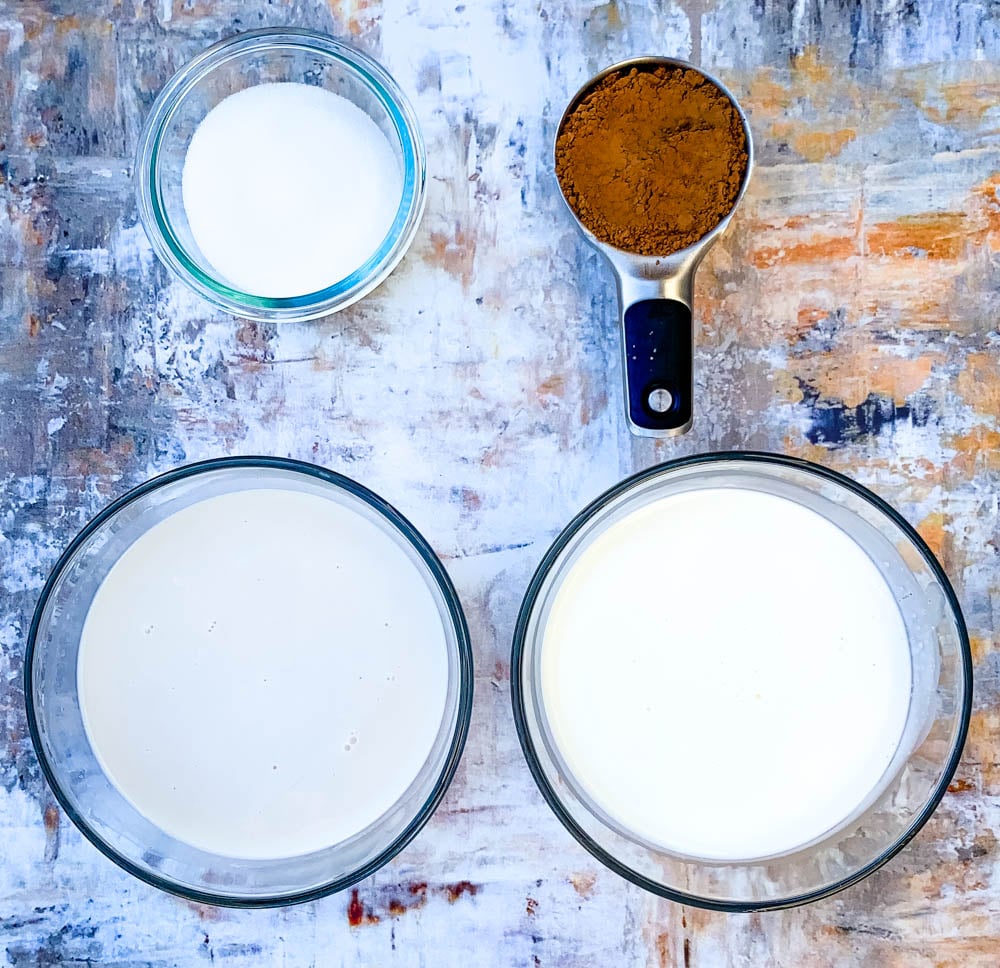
(528, 745)
(340, 294)
(466, 678)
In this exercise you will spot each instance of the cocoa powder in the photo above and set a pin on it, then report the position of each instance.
(652, 159)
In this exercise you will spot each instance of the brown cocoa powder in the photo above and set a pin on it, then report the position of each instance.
(652, 159)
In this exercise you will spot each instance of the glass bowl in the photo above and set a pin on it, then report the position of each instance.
(95, 804)
(258, 57)
(931, 740)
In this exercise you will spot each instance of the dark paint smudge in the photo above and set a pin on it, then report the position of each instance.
(835, 425)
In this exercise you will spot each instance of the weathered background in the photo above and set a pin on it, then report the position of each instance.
(849, 317)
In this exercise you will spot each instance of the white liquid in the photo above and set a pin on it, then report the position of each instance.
(263, 673)
(726, 674)
(289, 188)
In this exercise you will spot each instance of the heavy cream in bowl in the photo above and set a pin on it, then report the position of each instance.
(251, 681)
(741, 681)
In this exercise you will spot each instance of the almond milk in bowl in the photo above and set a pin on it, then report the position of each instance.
(741, 681)
(249, 681)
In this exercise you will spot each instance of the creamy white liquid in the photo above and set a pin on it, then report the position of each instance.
(289, 188)
(726, 674)
(263, 673)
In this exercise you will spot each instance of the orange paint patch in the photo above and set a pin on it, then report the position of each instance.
(932, 530)
(934, 235)
(820, 145)
(981, 646)
(986, 205)
(68, 25)
(980, 757)
(809, 69)
(583, 882)
(978, 384)
(816, 248)
(851, 375)
(967, 100)
(975, 452)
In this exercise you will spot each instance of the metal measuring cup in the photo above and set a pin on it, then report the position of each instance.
(655, 294)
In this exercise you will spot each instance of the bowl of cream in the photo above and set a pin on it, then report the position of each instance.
(281, 174)
(249, 681)
(741, 681)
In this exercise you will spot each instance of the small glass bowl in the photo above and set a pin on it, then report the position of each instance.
(928, 751)
(99, 809)
(260, 57)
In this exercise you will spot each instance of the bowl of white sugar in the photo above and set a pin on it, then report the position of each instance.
(281, 174)
(249, 682)
(741, 681)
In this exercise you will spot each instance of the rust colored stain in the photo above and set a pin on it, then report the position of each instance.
(663, 950)
(454, 891)
(51, 819)
(206, 912)
(583, 883)
(530, 907)
(357, 913)
(471, 500)
(961, 785)
(406, 898)
(71, 24)
(934, 235)
(687, 953)
(554, 386)
(455, 253)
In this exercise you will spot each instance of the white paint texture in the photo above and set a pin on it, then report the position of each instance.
(478, 390)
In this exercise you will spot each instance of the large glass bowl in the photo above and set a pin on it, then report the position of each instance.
(73, 771)
(260, 57)
(932, 738)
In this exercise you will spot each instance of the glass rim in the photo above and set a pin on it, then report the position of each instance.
(456, 616)
(340, 294)
(528, 744)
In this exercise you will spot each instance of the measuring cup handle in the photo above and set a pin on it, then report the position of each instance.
(659, 385)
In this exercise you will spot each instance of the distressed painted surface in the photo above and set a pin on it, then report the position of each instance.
(850, 317)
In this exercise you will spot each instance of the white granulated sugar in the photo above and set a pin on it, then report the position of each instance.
(288, 189)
